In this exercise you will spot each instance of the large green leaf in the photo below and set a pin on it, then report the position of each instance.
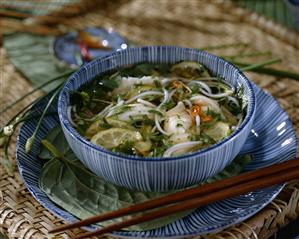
(32, 55)
(73, 187)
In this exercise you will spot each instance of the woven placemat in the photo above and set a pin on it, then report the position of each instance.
(185, 23)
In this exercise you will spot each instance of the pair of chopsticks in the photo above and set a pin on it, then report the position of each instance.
(192, 198)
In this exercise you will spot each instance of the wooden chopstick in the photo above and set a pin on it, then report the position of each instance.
(183, 195)
(262, 182)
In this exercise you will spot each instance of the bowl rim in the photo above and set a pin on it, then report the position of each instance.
(64, 121)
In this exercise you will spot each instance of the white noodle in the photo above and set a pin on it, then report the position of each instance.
(154, 129)
(180, 146)
(188, 102)
(216, 96)
(143, 94)
(233, 99)
(166, 97)
(104, 111)
(158, 126)
(171, 94)
(165, 81)
(69, 115)
(147, 103)
(203, 85)
(197, 120)
(111, 110)
(240, 117)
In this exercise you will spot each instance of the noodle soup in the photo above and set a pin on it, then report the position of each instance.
(157, 110)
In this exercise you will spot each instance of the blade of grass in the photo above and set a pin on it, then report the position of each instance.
(224, 46)
(270, 71)
(258, 65)
(249, 54)
(36, 89)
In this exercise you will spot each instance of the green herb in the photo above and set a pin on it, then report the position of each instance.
(195, 89)
(111, 82)
(169, 105)
(147, 121)
(206, 139)
(155, 112)
(85, 98)
(105, 125)
(121, 109)
(125, 147)
(216, 116)
(157, 83)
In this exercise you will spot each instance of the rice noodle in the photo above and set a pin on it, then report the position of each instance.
(171, 94)
(180, 146)
(188, 102)
(143, 94)
(165, 81)
(233, 99)
(146, 102)
(110, 110)
(201, 99)
(166, 97)
(203, 85)
(197, 120)
(217, 96)
(158, 126)
(104, 111)
(69, 115)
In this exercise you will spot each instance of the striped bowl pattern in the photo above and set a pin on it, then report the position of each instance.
(271, 140)
(156, 174)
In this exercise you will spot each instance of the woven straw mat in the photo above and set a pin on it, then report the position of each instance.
(185, 23)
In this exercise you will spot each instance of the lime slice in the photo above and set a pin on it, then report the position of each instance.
(111, 138)
(219, 131)
(95, 127)
(143, 146)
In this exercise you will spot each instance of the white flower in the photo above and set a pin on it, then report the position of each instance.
(29, 142)
(8, 130)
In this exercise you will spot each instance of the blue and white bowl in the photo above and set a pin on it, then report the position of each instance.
(156, 174)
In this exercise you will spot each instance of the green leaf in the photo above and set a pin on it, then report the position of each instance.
(31, 55)
(84, 194)
(56, 137)
(73, 187)
(3, 236)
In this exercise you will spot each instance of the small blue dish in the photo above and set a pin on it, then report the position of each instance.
(66, 48)
(156, 174)
(272, 140)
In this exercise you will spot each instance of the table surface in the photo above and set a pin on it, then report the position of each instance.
(142, 22)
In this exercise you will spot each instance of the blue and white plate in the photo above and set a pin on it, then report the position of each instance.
(272, 140)
(65, 47)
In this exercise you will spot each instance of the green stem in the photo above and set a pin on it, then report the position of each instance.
(25, 110)
(271, 71)
(250, 54)
(7, 164)
(224, 46)
(51, 148)
(36, 89)
(258, 65)
(31, 140)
